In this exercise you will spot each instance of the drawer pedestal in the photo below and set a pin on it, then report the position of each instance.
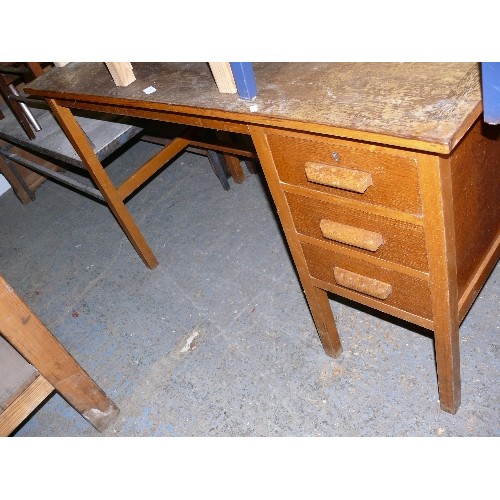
(390, 228)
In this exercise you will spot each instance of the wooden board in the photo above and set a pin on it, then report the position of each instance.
(223, 77)
(121, 72)
(22, 407)
(427, 106)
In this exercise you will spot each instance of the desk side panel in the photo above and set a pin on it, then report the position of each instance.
(475, 166)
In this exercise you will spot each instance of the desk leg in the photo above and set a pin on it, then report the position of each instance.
(437, 200)
(81, 144)
(25, 332)
(317, 298)
(233, 162)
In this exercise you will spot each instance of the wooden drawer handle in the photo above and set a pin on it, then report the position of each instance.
(338, 177)
(363, 284)
(351, 235)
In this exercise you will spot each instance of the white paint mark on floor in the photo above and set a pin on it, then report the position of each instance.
(189, 341)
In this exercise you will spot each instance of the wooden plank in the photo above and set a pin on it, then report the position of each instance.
(198, 146)
(22, 407)
(122, 73)
(154, 164)
(223, 77)
(27, 334)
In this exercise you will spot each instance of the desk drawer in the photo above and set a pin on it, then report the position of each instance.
(370, 234)
(374, 282)
(359, 172)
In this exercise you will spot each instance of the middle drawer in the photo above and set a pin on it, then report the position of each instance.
(370, 234)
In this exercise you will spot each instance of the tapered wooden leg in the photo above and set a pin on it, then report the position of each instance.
(25, 332)
(448, 366)
(234, 165)
(321, 312)
(233, 162)
(250, 166)
(439, 225)
(317, 299)
(79, 141)
(217, 162)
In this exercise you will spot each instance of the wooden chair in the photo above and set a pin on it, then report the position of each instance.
(33, 364)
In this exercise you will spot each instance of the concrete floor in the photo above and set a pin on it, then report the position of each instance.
(218, 340)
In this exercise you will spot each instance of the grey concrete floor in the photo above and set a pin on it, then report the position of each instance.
(218, 339)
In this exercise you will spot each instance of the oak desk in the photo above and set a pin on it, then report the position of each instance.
(384, 176)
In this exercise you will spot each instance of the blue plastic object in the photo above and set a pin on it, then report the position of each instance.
(244, 79)
(491, 92)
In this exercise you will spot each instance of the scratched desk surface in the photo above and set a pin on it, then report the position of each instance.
(427, 102)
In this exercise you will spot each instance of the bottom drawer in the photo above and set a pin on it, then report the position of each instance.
(382, 285)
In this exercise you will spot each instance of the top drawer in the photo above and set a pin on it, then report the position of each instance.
(387, 180)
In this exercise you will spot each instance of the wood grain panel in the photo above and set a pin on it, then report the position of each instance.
(408, 293)
(475, 171)
(291, 155)
(403, 243)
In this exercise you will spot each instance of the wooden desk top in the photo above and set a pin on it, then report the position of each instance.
(427, 106)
